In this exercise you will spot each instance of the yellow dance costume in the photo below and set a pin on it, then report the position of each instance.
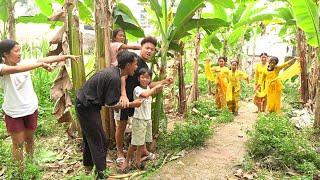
(218, 75)
(260, 69)
(233, 89)
(273, 85)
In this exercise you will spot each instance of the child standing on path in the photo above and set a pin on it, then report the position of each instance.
(233, 90)
(260, 99)
(20, 104)
(142, 123)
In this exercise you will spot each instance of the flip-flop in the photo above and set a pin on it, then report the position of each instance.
(120, 160)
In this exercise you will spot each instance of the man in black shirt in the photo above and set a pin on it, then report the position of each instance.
(148, 49)
(102, 89)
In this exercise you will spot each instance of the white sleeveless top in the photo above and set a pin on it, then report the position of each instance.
(19, 97)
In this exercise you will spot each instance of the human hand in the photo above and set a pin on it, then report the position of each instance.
(73, 57)
(168, 80)
(138, 102)
(47, 66)
(124, 101)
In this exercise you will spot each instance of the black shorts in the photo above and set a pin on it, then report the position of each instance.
(126, 113)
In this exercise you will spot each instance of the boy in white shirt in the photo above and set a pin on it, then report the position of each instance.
(142, 123)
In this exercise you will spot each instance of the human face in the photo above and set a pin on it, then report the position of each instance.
(221, 62)
(264, 59)
(144, 79)
(272, 65)
(131, 68)
(234, 66)
(14, 56)
(147, 51)
(120, 37)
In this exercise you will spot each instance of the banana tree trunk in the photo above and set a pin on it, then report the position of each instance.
(301, 43)
(194, 93)
(158, 109)
(182, 88)
(317, 98)
(75, 46)
(317, 108)
(225, 48)
(11, 20)
(103, 56)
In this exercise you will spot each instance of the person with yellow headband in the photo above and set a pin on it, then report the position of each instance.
(234, 76)
(272, 80)
(220, 80)
(260, 100)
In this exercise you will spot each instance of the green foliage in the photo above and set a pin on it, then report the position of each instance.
(124, 18)
(196, 129)
(225, 116)
(202, 80)
(291, 95)
(4, 152)
(45, 7)
(203, 108)
(279, 145)
(4, 10)
(225, 3)
(247, 90)
(187, 136)
(306, 15)
(42, 82)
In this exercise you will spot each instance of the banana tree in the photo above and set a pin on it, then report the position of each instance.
(305, 15)
(7, 17)
(170, 30)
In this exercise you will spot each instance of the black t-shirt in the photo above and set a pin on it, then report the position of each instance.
(132, 81)
(103, 88)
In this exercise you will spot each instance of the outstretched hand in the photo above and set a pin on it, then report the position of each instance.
(73, 58)
(47, 67)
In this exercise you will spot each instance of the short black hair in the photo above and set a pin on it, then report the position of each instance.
(149, 39)
(5, 47)
(223, 57)
(263, 54)
(126, 57)
(273, 58)
(115, 32)
(144, 71)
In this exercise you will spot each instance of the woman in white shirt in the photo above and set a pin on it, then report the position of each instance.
(20, 101)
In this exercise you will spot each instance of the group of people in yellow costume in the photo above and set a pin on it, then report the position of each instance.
(227, 83)
(268, 84)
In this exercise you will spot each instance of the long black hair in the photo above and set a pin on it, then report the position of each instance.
(5, 47)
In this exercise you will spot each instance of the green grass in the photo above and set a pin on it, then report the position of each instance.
(277, 145)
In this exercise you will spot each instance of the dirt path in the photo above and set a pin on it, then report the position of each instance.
(224, 151)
